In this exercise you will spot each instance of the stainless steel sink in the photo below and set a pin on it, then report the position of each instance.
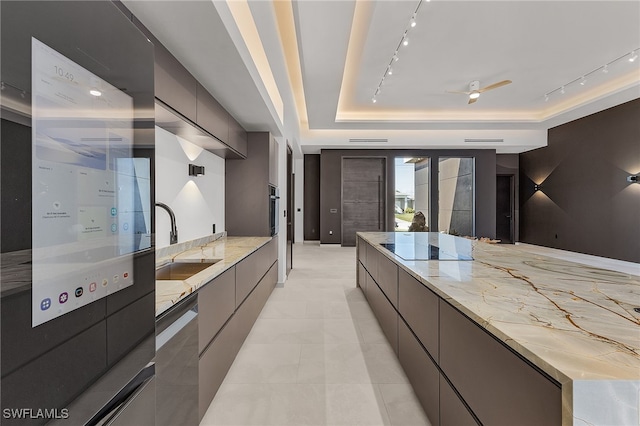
(183, 269)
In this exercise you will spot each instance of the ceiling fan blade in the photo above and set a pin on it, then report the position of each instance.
(472, 100)
(458, 93)
(495, 85)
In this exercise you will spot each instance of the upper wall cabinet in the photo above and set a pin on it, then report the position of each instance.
(183, 97)
(237, 136)
(210, 115)
(174, 85)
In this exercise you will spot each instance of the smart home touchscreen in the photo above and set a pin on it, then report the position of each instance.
(91, 198)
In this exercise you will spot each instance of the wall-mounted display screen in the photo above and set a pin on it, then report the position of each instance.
(91, 198)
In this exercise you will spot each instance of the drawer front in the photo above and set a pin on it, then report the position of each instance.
(384, 312)
(453, 412)
(216, 303)
(362, 276)
(421, 371)
(499, 386)
(247, 275)
(371, 263)
(388, 278)
(419, 307)
(252, 306)
(214, 364)
(211, 116)
(174, 85)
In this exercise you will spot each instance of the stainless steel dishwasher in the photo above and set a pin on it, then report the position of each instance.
(177, 364)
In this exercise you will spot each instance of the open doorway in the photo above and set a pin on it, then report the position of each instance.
(412, 191)
(504, 208)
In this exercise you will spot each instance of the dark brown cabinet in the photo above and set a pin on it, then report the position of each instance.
(210, 115)
(255, 276)
(419, 307)
(453, 412)
(384, 312)
(461, 374)
(174, 85)
(247, 187)
(216, 305)
(237, 137)
(421, 371)
(497, 384)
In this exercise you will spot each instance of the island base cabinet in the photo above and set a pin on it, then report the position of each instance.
(500, 387)
(385, 313)
(453, 412)
(421, 371)
(362, 277)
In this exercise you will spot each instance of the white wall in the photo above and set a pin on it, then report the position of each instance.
(198, 202)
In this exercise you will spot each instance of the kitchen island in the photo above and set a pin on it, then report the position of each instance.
(491, 334)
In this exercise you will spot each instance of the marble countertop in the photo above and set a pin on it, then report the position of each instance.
(229, 251)
(575, 322)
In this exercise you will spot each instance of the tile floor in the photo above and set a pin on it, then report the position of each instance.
(316, 356)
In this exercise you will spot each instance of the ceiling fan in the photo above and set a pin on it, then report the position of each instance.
(475, 89)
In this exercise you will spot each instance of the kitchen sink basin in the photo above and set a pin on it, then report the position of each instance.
(183, 269)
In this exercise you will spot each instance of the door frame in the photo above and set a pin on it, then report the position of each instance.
(290, 238)
(384, 190)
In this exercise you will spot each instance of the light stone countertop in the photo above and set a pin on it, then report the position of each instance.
(230, 251)
(575, 322)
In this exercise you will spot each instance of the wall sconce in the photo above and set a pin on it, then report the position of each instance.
(633, 179)
(537, 187)
(196, 170)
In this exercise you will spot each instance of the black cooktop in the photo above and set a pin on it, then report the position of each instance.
(430, 246)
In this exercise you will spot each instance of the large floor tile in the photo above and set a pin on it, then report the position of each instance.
(267, 330)
(352, 405)
(403, 406)
(316, 355)
(265, 363)
(332, 363)
(369, 330)
(382, 364)
(267, 404)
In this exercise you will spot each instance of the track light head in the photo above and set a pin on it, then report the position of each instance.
(633, 56)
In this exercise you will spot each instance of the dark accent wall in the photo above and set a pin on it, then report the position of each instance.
(585, 203)
(312, 197)
(330, 187)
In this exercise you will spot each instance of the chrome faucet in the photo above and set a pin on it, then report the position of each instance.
(173, 235)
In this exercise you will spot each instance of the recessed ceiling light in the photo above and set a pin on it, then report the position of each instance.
(95, 92)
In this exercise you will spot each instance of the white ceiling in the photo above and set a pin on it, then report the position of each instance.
(344, 48)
